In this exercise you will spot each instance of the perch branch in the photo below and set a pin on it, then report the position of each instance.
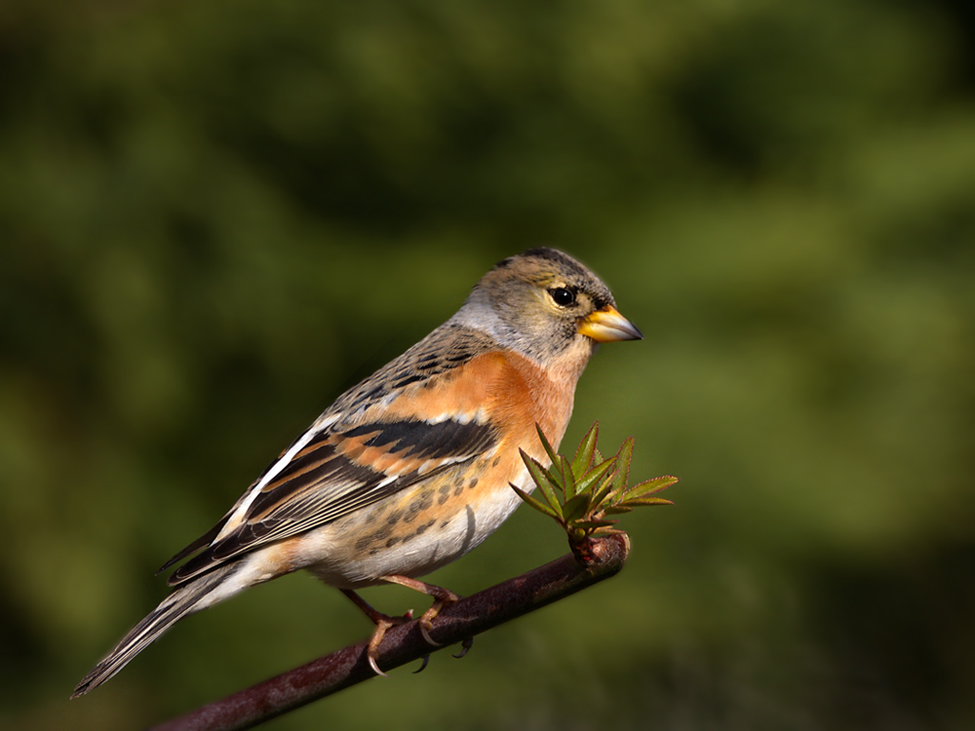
(404, 644)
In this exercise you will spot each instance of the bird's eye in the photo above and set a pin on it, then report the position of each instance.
(562, 296)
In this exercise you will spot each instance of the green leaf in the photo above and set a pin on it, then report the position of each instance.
(605, 490)
(623, 458)
(648, 487)
(592, 488)
(642, 501)
(592, 476)
(537, 472)
(543, 478)
(548, 447)
(537, 504)
(568, 479)
(584, 453)
(575, 508)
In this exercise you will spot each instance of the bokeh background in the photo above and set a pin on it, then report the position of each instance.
(215, 216)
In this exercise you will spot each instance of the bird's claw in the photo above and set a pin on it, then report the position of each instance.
(465, 646)
(426, 660)
(375, 667)
(442, 598)
(383, 623)
(425, 627)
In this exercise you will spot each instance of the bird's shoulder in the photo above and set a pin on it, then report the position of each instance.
(424, 368)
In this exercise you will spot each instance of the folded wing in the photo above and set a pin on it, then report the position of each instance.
(332, 475)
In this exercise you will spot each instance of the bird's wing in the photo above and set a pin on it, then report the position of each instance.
(408, 422)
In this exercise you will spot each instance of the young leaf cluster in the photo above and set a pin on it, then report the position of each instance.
(582, 493)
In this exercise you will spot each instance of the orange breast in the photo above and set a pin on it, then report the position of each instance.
(504, 389)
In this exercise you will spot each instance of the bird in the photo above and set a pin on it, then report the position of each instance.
(412, 468)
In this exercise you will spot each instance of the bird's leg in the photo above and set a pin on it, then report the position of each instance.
(382, 621)
(441, 598)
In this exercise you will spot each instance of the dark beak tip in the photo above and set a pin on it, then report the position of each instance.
(633, 331)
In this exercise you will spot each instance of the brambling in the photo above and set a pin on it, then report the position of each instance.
(411, 468)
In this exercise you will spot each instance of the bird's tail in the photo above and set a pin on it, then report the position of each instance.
(183, 601)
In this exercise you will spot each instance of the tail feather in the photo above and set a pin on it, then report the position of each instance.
(181, 602)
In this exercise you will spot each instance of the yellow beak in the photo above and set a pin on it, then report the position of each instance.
(607, 325)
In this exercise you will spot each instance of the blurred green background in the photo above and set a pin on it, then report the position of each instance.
(216, 216)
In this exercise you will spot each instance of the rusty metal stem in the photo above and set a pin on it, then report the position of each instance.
(404, 643)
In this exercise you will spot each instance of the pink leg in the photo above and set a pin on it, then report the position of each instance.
(382, 621)
(441, 598)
